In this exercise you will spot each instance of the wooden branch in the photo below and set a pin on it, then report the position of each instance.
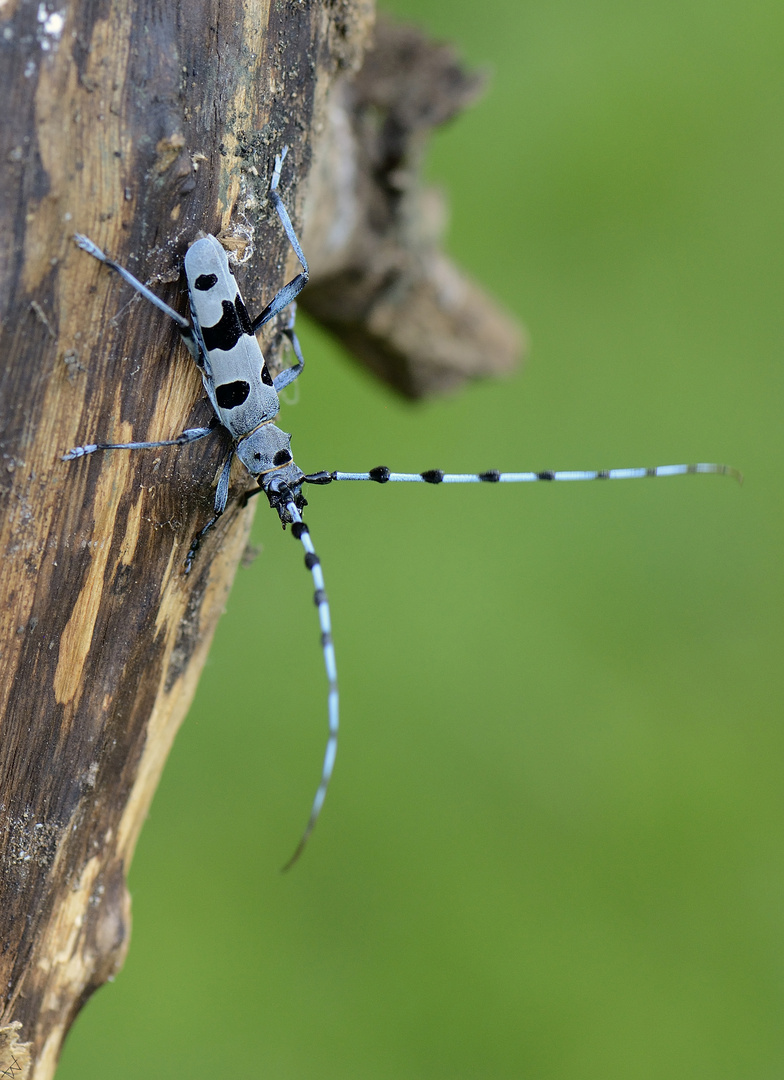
(379, 280)
(139, 131)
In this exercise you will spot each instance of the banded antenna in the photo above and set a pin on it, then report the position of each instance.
(289, 513)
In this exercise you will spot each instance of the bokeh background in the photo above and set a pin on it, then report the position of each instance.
(553, 847)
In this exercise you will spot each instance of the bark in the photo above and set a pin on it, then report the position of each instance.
(139, 125)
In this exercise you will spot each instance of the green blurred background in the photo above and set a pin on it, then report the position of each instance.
(553, 847)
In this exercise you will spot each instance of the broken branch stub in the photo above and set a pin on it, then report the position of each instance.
(379, 278)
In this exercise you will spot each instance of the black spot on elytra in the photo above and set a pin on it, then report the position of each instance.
(266, 378)
(204, 282)
(231, 394)
(242, 315)
(232, 324)
(282, 457)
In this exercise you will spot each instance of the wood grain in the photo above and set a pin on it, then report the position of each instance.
(137, 125)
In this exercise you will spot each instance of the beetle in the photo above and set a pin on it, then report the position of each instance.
(244, 396)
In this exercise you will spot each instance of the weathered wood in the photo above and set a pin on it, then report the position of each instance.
(138, 126)
(380, 280)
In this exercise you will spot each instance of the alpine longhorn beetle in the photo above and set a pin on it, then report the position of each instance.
(222, 341)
